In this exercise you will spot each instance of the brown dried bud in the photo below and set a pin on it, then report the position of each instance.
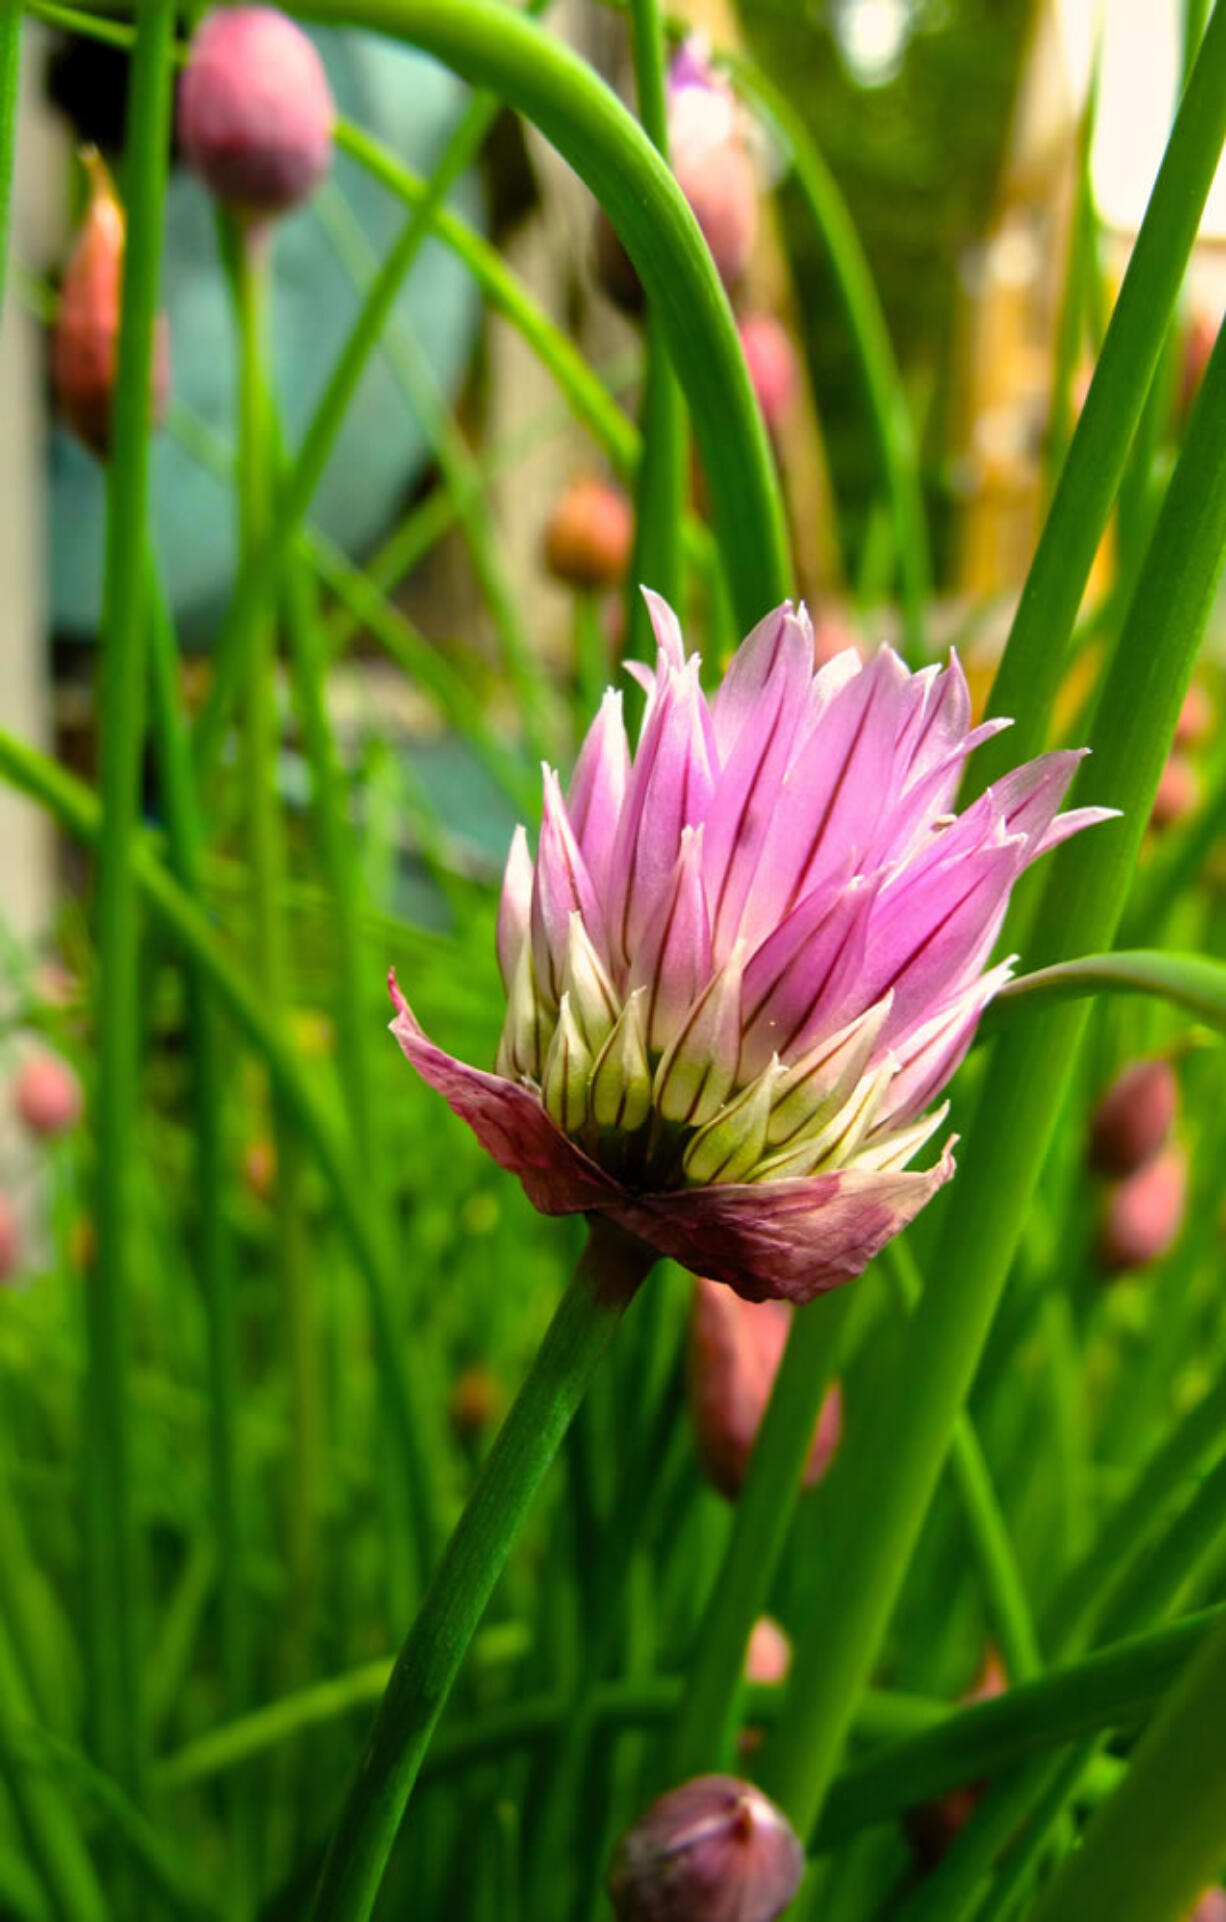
(1178, 793)
(85, 343)
(735, 1350)
(1134, 1117)
(10, 1239)
(590, 536)
(255, 110)
(771, 360)
(260, 1167)
(1144, 1214)
(476, 1400)
(714, 1850)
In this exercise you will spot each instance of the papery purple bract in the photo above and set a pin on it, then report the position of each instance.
(749, 957)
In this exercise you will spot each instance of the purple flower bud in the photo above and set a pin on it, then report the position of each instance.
(255, 110)
(1133, 1118)
(85, 343)
(47, 1095)
(1144, 1214)
(10, 1239)
(714, 1850)
(772, 934)
(735, 1348)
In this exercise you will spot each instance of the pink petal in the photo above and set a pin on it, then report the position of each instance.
(561, 886)
(673, 960)
(509, 1122)
(782, 1239)
(670, 788)
(598, 787)
(929, 1054)
(773, 664)
(667, 630)
(805, 971)
(514, 909)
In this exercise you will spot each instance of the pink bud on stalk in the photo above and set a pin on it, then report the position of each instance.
(747, 959)
(1133, 1118)
(10, 1239)
(255, 110)
(85, 343)
(1211, 1907)
(771, 360)
(590, 535)
(1144, 1214)
(47, 1095)
(768, 1656)
(735, 1350)
(714, 1850)
(1178, 793)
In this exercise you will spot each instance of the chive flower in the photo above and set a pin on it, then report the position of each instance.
(746, 959)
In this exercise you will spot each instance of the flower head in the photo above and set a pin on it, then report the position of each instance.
(747, 958)
(85, 343)
(255, 110)
(713, 1850)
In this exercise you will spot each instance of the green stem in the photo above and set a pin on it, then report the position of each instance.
(605, 1280)
(110, 1537)
(707, 1721)
(889, 408)
(1034, 658)
(538, 77)
(262, 742)
(258, 577)
(49, 1832)
(10, 89)
(186, 839)
(891, 1475)
(659, 493)
(1151, 1849)
(76, 808)
(1004, 1588)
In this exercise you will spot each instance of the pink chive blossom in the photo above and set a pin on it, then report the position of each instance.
(747, 958)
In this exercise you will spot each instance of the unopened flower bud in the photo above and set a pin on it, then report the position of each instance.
(731, 1144)
(714, 1850)
(709, 156)
(47, 1095)
(255, 110)
(1211, 1907)
(768, 1656)
(85, 344)
(735, 1348)
(1144, 1214)
(1133, 1118)
(1195, 723)
(771, 360)
(568, 1070)
(620, 1092)
(590, 536)
(10, 1239)
(1178, 793)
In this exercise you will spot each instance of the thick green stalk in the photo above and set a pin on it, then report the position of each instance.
(659, 491)
(1034, 658)
(10, 88)
(270, 954)
(707, 1720)
(1151, 1849)
(1189, 981)
(458, 468)
(604, 1282)
(574, 109)
(889, 408)
(890, 1477)
(115, 1614)
(76, 808)
(50, 1834)
(186, 842)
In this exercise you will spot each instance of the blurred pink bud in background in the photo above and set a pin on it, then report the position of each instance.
(590, 535)
(1144, 1214)
(735, 1350)
(10, 1239)
(771, 360)
(1134, 1117)
(47, 1095)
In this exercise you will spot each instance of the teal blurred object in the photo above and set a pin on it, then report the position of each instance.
(410, 103)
